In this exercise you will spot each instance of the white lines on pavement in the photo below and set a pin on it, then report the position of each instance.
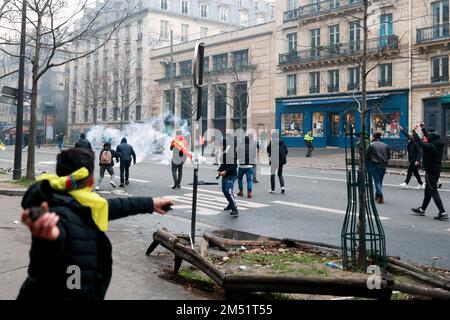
(140, 181)
(448, 230)
(48, 162)
(305, 206)
(185, 220)
(203, 190)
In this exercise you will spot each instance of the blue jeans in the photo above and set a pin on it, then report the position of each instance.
(378, 171)
(248, 173)
(227, 189)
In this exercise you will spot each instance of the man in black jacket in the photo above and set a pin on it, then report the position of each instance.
(414, 158)
(126, 154)
(277, 161)
(83, 143)
(228, 172)
(433, 151)
(72, 238)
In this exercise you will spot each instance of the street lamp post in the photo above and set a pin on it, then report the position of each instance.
(17, 172)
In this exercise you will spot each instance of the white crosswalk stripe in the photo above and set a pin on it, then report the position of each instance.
(210, 202)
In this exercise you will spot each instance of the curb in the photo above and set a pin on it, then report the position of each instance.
(12, 193)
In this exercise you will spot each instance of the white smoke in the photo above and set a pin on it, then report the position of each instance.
(150, 140)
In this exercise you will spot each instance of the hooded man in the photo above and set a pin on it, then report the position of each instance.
(277, 151)
(378, 156)
(433, 151)
(126, 154)
(83, 143)
(414, 158)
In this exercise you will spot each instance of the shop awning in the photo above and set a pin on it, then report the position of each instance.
(445, 99)
(343, 99)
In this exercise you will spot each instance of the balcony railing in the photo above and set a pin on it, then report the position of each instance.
(339, 50)
(353, 85)
(434, 33)
(385, 83)
(436, 79)
(327, 6)
(314, 89)
(292, 92)
(333, 88)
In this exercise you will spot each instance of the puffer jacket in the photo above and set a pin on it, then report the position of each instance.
(80, 244)
(433, 151)
(84, 144)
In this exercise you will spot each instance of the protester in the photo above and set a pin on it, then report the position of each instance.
(126, 154)
(71, 236)
(39, 140)
(277, 161)
(309, 143)
(83, 143)
(414, 158)
(378, 156)
(106, 159)
(228, 172)
(433, 151)
(26, 140)
(247, 160)
(255, 166)
(60, 141)
(179, 148)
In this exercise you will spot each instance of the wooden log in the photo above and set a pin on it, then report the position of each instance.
(422, 291)
(311, 248)
(316, 244)
(177, 266)
(418, 276)
(215, 242)
(152, 247)
(248, 243)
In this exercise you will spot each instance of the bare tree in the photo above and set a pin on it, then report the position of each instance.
(51, 35)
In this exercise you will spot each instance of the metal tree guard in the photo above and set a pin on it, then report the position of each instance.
(373, 247)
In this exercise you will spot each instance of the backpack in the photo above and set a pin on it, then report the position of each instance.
(106, 158)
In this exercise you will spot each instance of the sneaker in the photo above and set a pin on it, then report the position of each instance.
(283, 191)
(127, 182)
(250, 195)
(418, 211)
(255, 181)
(439, 184)
(240, 193)
(174, 187)
(272, 191)
(421, 187)
(97, 188)
(227, 208)
(234, 212)
(112, 183)
(178, 187)
(403, 185)
(121, 185)
(441, 216)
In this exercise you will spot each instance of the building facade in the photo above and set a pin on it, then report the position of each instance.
(318, 77)
(112, 87)
(239, 81)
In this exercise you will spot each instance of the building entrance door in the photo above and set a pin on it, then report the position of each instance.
(446, 133)
(334, 120)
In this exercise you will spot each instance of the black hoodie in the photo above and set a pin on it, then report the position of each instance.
(126, 151)
(433, 151)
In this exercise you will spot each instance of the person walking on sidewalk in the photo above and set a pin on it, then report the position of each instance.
(179, 148)
(106, 159)
(228, 172)
(83, 143)
(69, 243)
(433, 151)
(255, 167)
(277, 151)
(309, 143)
(247, 159)
(126, 154)
(378, 156)
(60, 140)
(414, 158)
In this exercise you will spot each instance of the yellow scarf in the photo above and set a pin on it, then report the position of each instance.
(85, 196)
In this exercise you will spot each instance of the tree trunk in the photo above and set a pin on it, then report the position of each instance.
(33, 105)
(362, 149)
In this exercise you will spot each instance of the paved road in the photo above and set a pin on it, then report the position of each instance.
(312, 209)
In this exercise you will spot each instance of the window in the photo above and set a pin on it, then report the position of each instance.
(240, 104)
(334, 35)
(354, 36)
(74, 116)
(164, 5)
(164, 31)
(203, 32)
(440, 14)
(206, 65)
(292, 41)
(224, 14)
(292, 125)
(240, 59)
(291, 85)
(104, 114)
(116, 90)
(385, 75)
(139, 58)
(439, 69)
(139, 88)
(353, 78)
(315, 5)
(318, 124)
(138, 113)
(333, 80)
(315, 42)
(386, 29)
(170, 70)
(334, 4)
(314, 82)
(126, 114)
(184, 7)
(184, 32)
(387, 124)
(86, 115)
(203, 10)
(220, 62)
(169, 101)
(220, 104)
(116, 114)
(127, 89)
(186, 68)
(243, 15)
(292, 5)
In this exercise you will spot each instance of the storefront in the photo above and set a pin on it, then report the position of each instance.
(326, 117)
(437, 116)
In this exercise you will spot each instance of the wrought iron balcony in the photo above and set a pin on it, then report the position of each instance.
(339, 51)
(352, 86)
(433, 33)
(385, 83)
(333, 88)
(323, 7)
(443, 78)
(314, 89)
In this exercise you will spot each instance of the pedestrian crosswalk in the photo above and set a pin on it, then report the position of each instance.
(210, 202)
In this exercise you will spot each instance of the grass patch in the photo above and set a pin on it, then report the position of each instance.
(196, 276)
(277, 259)
(400, 296)
(23, 182)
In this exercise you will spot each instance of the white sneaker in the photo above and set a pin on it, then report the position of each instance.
(97, 188)
(113, 184)
(272, 191)
(421, 187)
(403, 185)
(439, 184)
